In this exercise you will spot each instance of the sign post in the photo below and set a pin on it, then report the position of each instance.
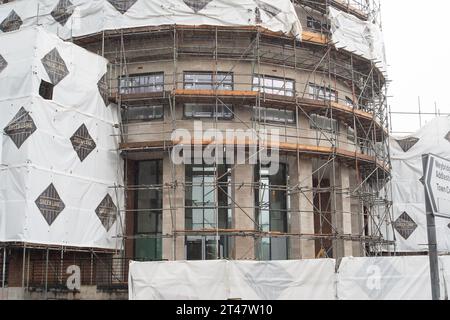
(436, 181)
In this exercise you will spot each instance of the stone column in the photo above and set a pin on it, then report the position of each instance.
(357, 214)
(130, 214)
(341, 207)
(302, 208)
(173, 213)
(244, 211)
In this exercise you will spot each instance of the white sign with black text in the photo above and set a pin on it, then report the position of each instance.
(437, 184)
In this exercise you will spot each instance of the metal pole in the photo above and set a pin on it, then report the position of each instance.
(420, 113)
(46, 275)
(23, 264)
(4, 267)
(432, 242)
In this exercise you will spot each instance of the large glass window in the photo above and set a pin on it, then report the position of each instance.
(208, 207)
(205, 110)
(271, 203)
(148, 215)
(322, 93)
(142, 113)
(208, 81)
(142, 83)
(277, 115)
(272, 85)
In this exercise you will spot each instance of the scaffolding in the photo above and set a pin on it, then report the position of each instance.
(360, 108)
(363, 109)
(415, 119)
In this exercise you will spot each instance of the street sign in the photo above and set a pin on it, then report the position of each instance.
(437, 185)
(436, 181)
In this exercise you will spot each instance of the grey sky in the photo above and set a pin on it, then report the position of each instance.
(418, 53)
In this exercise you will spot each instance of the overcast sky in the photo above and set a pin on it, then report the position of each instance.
(418, 52)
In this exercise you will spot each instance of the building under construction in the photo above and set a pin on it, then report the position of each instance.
(312, 70)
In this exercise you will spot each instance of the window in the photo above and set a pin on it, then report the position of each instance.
(142, 113)
(203, 110)
(313, 23)
(271, 85)
(46, 90)
(142, 83)
(278, 115)
(323, 123)
(208, 81)
(208, 208)
(148, 214)
(322, 93)
(316, 24)
(271, 203)
(349, 102)
(350, 133)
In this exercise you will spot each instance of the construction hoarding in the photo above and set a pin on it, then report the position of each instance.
(59, 161)
(75, 18)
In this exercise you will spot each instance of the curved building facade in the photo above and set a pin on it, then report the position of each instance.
(326, 105)
(288, 99)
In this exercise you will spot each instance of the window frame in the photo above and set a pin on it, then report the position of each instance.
(262, 88)
(351, 133)
(285, 212)
(315, 24)
(130, 89)
(159, 217)
(126, 119)
(213, 115)
(328, 120)
(263, 118)
(214, 84)
(349, 102)
(315, 95)
(221, 202)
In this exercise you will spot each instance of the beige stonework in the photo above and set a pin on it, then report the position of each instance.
(173, 213)
(341, 205)
(302, 209)
(244, 211)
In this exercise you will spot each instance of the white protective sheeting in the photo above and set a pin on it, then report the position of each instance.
(361, 37)
(282, 280)
(59, 157)
(444, 262)
(83, 17)
(408, 193)
(390, 278)
(179, 280)
(218, 280)
(373, 278)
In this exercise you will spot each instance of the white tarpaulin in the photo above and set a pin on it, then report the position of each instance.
(372, 278)
(390, 278)
(59, 154)
(445, 276)
(74, 18)
(178, 280)
(282, 280)
(408, 193)
(218, 280)
(361, 37)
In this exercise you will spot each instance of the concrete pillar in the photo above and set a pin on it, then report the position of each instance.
(357, 214)
(173, 213)
(302, 208)
(130, 214)
(341, 205)
(243, 211)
